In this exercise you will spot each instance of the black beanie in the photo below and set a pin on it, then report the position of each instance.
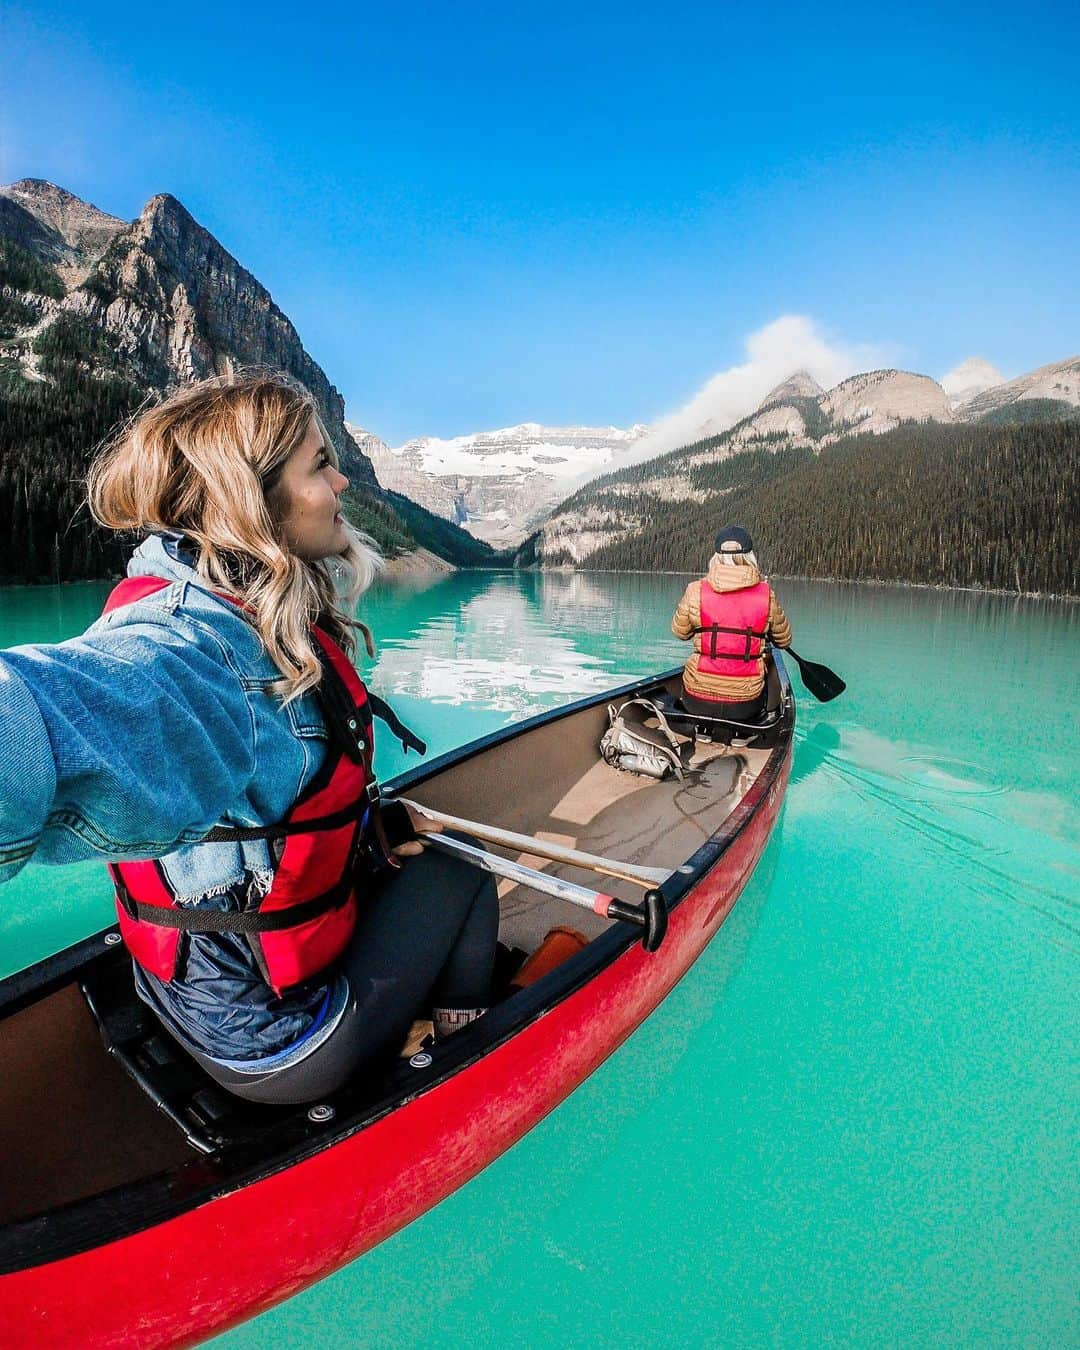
(733, 534)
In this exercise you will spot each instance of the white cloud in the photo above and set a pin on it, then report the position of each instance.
(971, 377)
(775, 352)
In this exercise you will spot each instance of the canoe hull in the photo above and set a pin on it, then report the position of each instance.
(239, 1254)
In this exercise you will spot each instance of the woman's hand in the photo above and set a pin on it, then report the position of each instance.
(420, 823)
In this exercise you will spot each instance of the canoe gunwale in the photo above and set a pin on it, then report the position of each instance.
(112, 1215)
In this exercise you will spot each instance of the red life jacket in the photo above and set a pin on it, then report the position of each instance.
(734, 628)
(304, 922)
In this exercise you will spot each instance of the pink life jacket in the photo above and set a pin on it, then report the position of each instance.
(304, 922)
(734, 628)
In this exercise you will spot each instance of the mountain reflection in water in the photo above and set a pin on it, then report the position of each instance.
(517, 643)
(525, 656)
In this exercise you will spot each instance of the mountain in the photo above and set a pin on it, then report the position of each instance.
(1029, 395)
(970, 378)
(798, 386)
(974, 505)
(798, 413)
(56, 227)
(498, 484)
(396, 473)
(173, 306)
(95, 316)
(881, 400)
(878, 449)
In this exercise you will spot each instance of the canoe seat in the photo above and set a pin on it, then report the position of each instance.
(722, 729)
(209, 1117)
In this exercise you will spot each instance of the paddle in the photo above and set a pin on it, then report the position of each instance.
(651, 914)
(645, 877)
(822, 682)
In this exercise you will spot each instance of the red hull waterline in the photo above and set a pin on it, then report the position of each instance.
(232, 1258)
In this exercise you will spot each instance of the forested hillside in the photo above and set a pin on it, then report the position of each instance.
(48, 425)
(986, 505)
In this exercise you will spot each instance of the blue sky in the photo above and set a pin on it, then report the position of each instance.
(484, 214)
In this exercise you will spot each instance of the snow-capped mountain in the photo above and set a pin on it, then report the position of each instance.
(498, 484)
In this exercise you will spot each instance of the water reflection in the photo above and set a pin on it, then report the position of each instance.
(813, 749)
(519, 643)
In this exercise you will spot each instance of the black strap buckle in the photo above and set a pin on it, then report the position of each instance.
(373, 792)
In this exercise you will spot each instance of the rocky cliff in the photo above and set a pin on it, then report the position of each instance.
(1058, 384)
(798, 386)
(881, 400)
(95, 314)
(178, 307)
(57, 228)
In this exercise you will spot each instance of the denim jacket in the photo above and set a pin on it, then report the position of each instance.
(135, 740)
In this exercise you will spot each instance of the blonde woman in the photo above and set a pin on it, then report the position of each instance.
(210, 739)
(730, 613)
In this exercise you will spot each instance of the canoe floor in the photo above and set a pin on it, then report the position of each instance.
(65, 1105)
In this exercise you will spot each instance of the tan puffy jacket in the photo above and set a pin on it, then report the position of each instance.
(723, 577)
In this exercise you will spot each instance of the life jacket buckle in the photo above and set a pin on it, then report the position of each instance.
(373, 792)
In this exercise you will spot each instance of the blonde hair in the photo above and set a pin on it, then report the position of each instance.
(747, 559)
(206, 462)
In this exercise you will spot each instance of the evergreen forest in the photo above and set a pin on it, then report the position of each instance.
(47, 433)
(981, 505)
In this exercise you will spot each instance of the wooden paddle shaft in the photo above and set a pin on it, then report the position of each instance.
(646, 877)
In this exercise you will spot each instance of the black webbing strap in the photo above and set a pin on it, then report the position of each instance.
(235, 834)
(344, 725)
(748, 633)
(229, 921)
(383, 711)
(347, 730)
(343, 720)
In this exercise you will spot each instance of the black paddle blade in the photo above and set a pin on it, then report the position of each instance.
(822, 682)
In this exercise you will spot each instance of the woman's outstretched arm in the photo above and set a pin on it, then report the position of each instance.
(126, 742)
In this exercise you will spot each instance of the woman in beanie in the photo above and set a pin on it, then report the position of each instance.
(730, 614)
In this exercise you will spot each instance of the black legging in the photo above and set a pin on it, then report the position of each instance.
(425, 939)
(749, 711)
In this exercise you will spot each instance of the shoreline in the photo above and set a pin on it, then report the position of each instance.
(798, 576)
(422, 562)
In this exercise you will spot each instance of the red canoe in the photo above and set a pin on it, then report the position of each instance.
(139, 1205)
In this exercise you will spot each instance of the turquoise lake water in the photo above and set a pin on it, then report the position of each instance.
(855, 1121)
